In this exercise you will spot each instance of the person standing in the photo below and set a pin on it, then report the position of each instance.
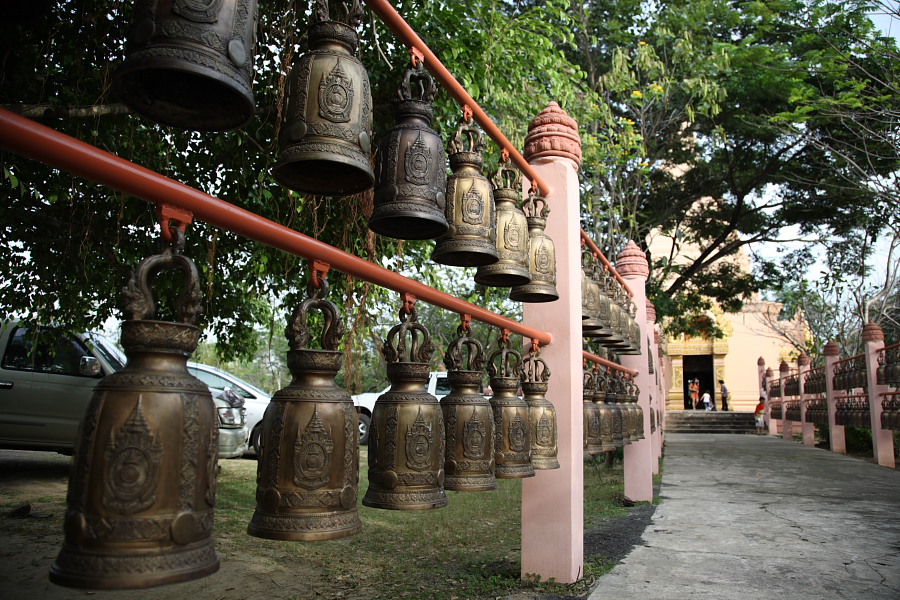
(694, 387)
(723, 391)
(707, 401)
(760, 414)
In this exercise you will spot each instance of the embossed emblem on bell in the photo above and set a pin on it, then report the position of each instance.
(307, 475)
(406, 435)
(541, 255)
(512, 435)
(591, 427)
(535, 375)
(143, 483)
(189, 64)
(470, 212)
(511, 235)
(326, 125)
(411, 167)
(468, 419)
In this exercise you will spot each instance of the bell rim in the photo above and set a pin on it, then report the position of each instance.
(503, 273)
(284, 166)
(425, 225)
(484, 253)
(534, 293)
(135, 65)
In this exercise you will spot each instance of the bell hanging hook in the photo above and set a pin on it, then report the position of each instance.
(173, 222)
(318, 284)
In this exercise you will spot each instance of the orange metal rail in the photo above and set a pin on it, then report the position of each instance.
(590, 244)
(608, 364)
(408, 36)
(25, 137)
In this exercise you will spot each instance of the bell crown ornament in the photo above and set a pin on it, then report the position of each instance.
(190, 64)
(470, 211)
(535, 376)
(326, 127)
(510, 235)
(411, 167)
(308, 470)
(541, 254)
(142, 490)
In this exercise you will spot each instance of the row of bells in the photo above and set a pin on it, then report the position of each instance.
(791, 386)
(792, 411)
(817, 412)
(853, 412)
(888, 371)
(143, 486)
(815, 382)
(850, 374)
(890, 413)
(612, 416)
(607, 311)
(775, 409)
(189, 64)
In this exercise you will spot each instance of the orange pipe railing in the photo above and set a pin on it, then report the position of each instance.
(607, 363)
(602, 258)
(25, 137)
(408, 36)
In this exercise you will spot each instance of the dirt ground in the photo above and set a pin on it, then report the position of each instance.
(29, 545)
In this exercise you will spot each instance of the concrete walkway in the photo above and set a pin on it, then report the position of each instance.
(752, 517)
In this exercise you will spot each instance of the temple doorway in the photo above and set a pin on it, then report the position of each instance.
(698, 367)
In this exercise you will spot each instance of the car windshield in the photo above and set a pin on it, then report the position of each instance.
(107, 350)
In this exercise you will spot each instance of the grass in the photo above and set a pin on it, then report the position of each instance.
(470, 549)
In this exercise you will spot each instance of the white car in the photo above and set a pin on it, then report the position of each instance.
(255, 400)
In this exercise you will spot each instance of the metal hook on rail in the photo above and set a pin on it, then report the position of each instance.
(409, 302)
(319, 272)
(416, 56)
(467, 113)
(465, 322)
(170, 218)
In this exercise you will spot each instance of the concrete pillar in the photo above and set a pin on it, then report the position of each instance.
(837, 440)
(769, 382)
(656, 400)
(882, 439)
(808, 430)
(665, 379)
(633, 267)
(787, 428)
(553, 501)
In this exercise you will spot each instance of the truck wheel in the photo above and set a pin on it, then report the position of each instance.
(255, 441)
(364, 422)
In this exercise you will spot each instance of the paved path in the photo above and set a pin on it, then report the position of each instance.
(750, 517)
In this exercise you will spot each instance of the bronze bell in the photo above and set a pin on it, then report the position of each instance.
(143, 482)
(633, 393)
(607, 442)
(592, 424)
(469, 421)
(307, 477)
(406, 439)
(541, 412)
(411, 167)
(326, 126)
(470, 205)
(510, 236)
(541, 255)
(190, 64)
(590, 296)
(512, 435)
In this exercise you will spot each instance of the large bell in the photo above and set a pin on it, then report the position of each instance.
(607, 442)
(591, 426)
(190, 63)
(411, 167)
(470, 205)
(469, 421)
(406, 439)
(510, 236)
(590, 296)
(541, 255)
(541, 412)
(512, 435)
(326, 126)
(307, 477)
(143, 483)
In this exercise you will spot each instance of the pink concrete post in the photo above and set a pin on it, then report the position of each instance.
(882, 439)
(769, 384)
(763, 385)
(664, 384)
(633, 267)
(836, 438)
(808, 430)
(787, 427)
(656, 398)
(553, 501)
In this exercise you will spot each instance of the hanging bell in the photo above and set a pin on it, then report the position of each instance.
(591, 412)
(307, 477)
(590, 296)
(510, 236)
(616, 340)
(470, 205)
(512, 436)
(637, 412)
(607, 442)
(143, 483)
(469, 421)
(406, 439)
(541, 255)
(326, 126)
(541, 412)
(189, 64)
(410, 167)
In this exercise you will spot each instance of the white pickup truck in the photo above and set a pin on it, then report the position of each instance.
(438, 386)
